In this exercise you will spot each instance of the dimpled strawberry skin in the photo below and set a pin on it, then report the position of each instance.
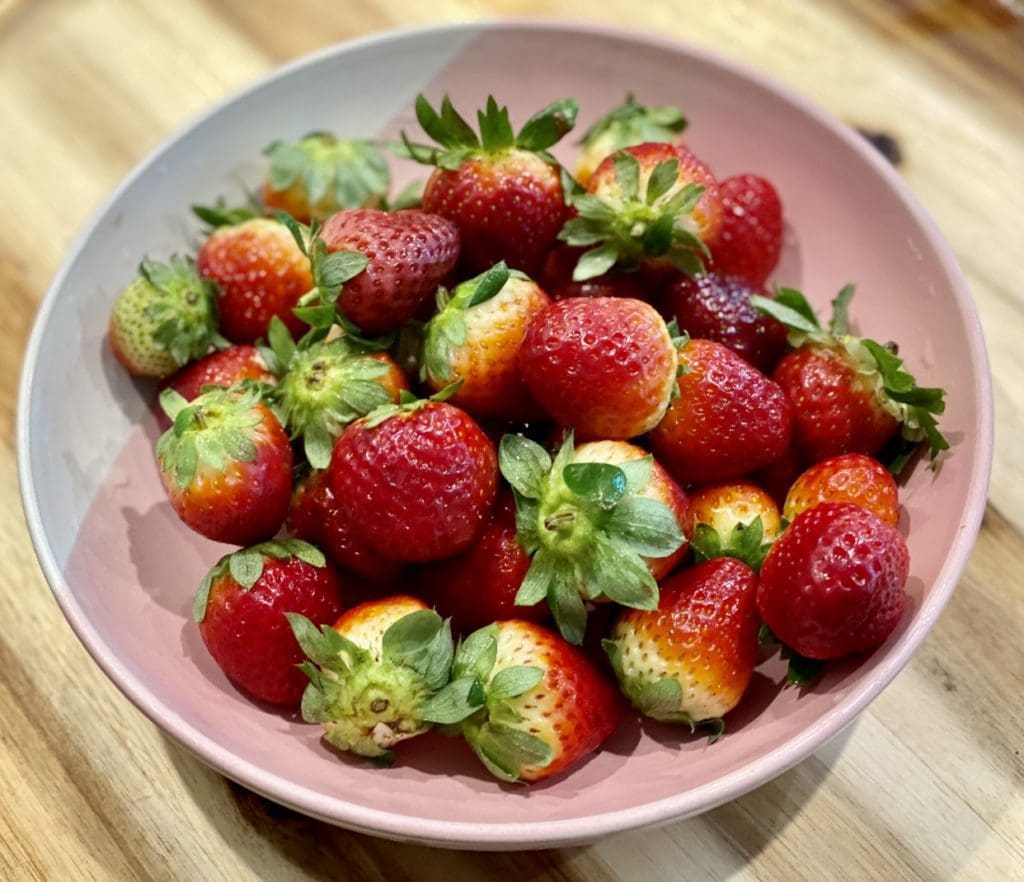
(248, 635)
(409, 253)
(852, 477)
(417, 486)
(832, 584)
(603, 365)
(574, 708)
(749, 241)
(729, 418)
(260, 272)
(507, 209)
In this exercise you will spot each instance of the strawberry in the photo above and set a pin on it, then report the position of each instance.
(502, 190)
(314, 177)
(326, 384)
(529, 704)
(749, 240)
(416, 480)
(849, 394)
(728, 418)
(260, 272)
(851, 477)
(165, 318)
(226, 464)
(225, 367)
(556, 279)
(627, 125)
(733, 520)
(691, 659)
(240, 609)
(409, 253)
(716, 307)
(652, 205)
(659, 486)
(589, 526)
(475, 337)
(316, 516)
(372, 675)
(832, 584)
(479, 585)
(604, 365)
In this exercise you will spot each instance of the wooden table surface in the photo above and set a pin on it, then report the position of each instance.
(926, 785)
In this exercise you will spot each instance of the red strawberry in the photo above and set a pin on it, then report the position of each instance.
(749, 241)
(475, 339)
(165, 318)
(545, 705)
(417, 481)
(502, 190)
(659, 486)
(591, 527)
(849, 394)
(374, 673)
(715, 307)
(226, 464)
(312, 178)
(690, 660)
(556, 279)
(604, 365)
(316, 516)
(627, 125)
(260, 272)
(241, 606)
(733, 520)
(728, 418)
(479, 585)
(852, 477)
(652, 205)
(226, 367)
(409, 253)
(832, 585)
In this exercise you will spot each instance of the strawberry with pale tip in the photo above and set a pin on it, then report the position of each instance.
(226, 464)
(651, 206)
(605, 366)
(372, 674)
(164, 319)
(588, 528)
(690, 660)
(475, 338)
(737, 520)
(240, 609)
(503, 190)
(852, 477)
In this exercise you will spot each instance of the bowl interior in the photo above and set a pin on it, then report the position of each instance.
(125, 570)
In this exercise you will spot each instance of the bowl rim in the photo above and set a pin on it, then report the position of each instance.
(585, 827)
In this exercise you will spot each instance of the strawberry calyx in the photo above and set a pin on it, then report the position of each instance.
(660, 699)
(407, 404)
(801, 670)
(324, 385)
(245, 567)
(745, 542)
(458, 142)
(895, 390)
(642, 217)
(182, 307)
(633, 123)
(480, 699)
(215, 427)
(587, 530)
(220, 214)
(370, 700)
(446, 331)
(336, 173)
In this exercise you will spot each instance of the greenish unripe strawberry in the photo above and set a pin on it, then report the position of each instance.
(164, 319)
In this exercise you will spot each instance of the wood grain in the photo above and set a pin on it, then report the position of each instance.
(928, 784)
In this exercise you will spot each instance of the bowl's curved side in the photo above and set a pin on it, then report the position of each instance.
(47, 491)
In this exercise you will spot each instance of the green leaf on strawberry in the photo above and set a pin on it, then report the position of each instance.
(746, 542)
(586, 530)
(633, 123)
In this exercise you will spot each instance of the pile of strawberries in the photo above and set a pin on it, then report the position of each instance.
(486, 451)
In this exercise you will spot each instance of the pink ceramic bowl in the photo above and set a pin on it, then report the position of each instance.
(124, 569)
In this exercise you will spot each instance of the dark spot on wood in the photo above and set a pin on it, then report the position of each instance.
(885, 144)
